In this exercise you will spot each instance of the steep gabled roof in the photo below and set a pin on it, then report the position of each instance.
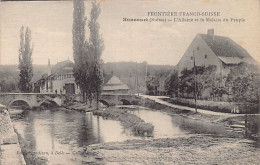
(114, 83)
(226, 49)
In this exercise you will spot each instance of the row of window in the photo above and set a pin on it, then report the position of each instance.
(205, 56)
(61, 77)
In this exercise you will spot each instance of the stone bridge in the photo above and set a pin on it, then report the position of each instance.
(31, 99)
(37, 99)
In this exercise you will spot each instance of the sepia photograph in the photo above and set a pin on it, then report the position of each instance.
(129, 82)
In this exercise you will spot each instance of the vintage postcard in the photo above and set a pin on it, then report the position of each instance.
(129, 82)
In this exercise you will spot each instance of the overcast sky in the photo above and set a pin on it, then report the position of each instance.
(156, 43)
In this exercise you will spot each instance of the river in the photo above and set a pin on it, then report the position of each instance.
(59, 134)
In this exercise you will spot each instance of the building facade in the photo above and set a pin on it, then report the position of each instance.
(209, 49)
(59, 80)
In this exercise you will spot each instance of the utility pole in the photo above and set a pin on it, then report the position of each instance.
(145, 78)
(137, 79)
(195, 82)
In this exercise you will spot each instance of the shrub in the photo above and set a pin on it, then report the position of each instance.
(135, 102)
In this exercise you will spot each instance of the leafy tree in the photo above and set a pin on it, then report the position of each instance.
(244, 83)
(8, 84)
(172, 84)
(96, 48)
(206, 79)
(25, 60)
(80, 47)
(187, 82)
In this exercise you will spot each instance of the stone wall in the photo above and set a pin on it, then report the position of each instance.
(10, 151)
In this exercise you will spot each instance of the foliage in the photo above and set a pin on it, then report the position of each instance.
(25, 60)
(80, 46)
(96, 46)
(8, 84)
(87, 53)
(172, 84)
(244, 83)
(206, 79)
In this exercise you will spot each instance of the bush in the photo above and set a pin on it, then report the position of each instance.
(135, 102)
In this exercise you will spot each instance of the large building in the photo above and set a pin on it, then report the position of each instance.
(209, 49)
(59, 80)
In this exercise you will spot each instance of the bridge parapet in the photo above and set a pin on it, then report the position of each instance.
(32, 99)
(117, 99)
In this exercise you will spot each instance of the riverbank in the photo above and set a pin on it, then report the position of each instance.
(195, 149)
(77, 106)
(9, 145)
(30, 156)
(233, 122)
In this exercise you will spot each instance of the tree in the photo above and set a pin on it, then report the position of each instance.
(25, 60)
(96, 48)
(172, 84)
(243, 82)
(80, 47)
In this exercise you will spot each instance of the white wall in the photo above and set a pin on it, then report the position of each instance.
(187, 62)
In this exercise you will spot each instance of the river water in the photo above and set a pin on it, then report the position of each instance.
(59, 134)
(64, 133)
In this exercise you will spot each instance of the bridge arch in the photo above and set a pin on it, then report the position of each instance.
(49, 103)
(125, 102)
(21, 102)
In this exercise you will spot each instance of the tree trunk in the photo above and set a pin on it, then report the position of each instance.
(82, 97)
(90, 100)
(86, 98)
(97, 106)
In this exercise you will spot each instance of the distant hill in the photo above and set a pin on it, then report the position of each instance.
(130, 73)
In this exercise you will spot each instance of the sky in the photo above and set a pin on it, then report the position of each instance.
(161, 43)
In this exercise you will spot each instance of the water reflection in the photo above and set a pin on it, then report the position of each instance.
(67, 131)
(164, 127)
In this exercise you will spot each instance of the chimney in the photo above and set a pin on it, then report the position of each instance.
(49, 67)
(211, 32)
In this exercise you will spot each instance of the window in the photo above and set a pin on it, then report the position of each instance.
(198, 48)
(191, 58)
(206, 56)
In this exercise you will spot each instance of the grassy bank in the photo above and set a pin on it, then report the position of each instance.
(225, 107)
(30, 156)
(135, 123)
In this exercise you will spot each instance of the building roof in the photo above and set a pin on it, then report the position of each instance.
(226, 49)
(114, 83)
(230, 60)
(115, 87)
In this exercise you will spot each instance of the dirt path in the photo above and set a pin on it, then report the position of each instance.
(203, 111)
